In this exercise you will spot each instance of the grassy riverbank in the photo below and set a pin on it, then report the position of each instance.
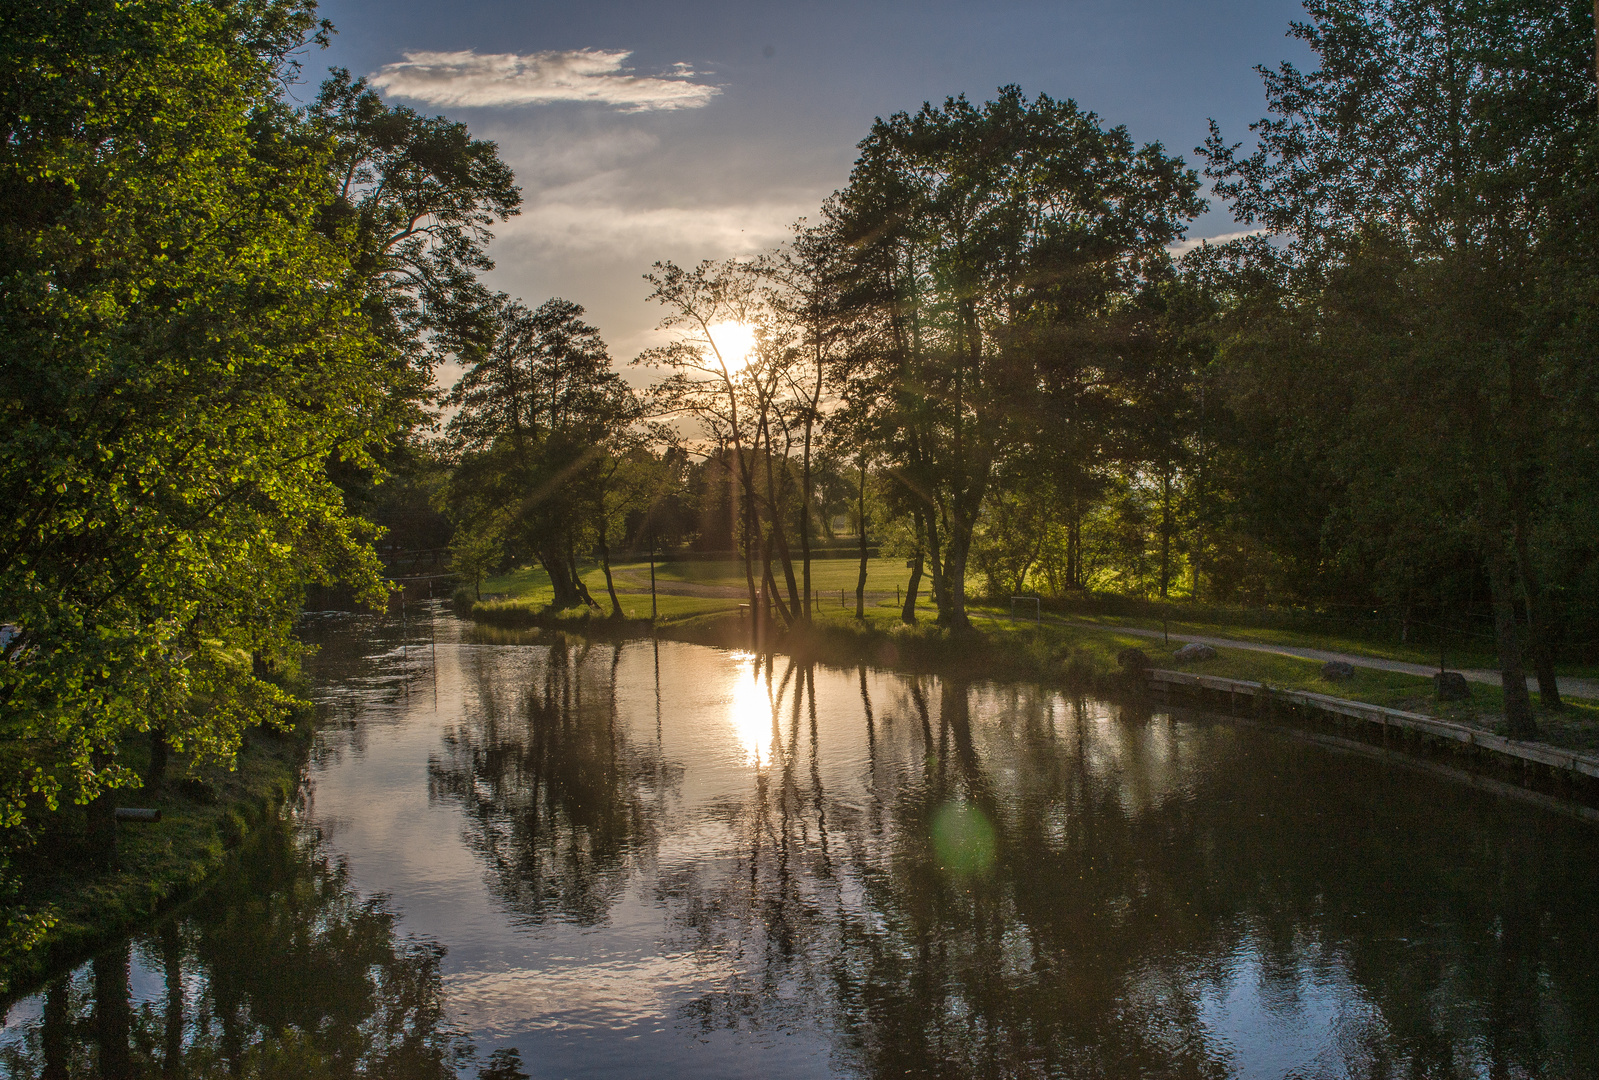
(886, 577)
(206, 813)
(1077, 650)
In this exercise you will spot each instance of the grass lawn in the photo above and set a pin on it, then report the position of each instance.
(530, 584)
(827, 575)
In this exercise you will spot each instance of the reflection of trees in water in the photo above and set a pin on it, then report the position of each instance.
(765, 915)
(553, 792)
(1135, 867)
(282, 972)
(367, 666)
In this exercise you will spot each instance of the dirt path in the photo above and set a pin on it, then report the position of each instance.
(1569, 684)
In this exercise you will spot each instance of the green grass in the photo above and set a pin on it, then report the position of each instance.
(1307, 639)
(827, 576)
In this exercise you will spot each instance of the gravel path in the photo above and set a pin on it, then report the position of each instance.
(1569, 684)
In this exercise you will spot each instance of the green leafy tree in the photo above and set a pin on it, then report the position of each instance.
(1435, 176)
(958, 219)
(186, 350)
(540, 410)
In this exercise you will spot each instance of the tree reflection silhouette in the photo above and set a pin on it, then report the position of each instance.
(281, 972)
(553, 791)
(1164, 896)
(1139, 873)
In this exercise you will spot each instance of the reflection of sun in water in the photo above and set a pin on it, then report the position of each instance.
(735, 341)
(750, 711)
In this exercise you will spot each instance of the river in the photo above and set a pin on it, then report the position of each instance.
(523, 855)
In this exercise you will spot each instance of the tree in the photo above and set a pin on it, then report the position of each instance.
(1434, 175)
(414, 198)
(705, 382)
(540, 411)
(187, 349)
(809, 276)
(958, 219)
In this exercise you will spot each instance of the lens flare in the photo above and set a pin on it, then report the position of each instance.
(963, 838)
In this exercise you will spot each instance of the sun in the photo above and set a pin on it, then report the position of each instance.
(735, 341)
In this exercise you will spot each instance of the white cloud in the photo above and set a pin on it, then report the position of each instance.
(593, 75)
(1183, 247)
(653, 232)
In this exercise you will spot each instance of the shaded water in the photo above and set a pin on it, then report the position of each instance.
(525, 856)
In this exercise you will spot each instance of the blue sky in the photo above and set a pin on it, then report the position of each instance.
(723, 122)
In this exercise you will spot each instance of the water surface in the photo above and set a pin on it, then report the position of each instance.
(524, 855)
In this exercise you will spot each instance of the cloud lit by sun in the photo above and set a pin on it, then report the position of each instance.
(735, 343)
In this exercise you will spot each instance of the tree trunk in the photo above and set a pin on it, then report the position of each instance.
(553, 559)
(907, 613)
(1165, 534)
(749, 532)
(581, 589)
(805, 518)
(775, 535)
(1501, 580)
(939, 575)
(769, 585)
(157, 772)
(1540, 625)
(1544, 632)
(113, 1014)
(102, 822)
(605, 563)
(860, 580)
(959, 545)
(1074, 546)
(775, 538)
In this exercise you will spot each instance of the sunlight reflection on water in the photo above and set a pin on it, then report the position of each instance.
(751, 708)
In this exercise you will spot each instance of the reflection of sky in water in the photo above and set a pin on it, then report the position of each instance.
(1310, 1021)
(707, 856)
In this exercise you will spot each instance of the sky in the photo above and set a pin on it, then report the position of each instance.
(700, 129)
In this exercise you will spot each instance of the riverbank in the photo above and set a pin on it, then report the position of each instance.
(206, 814)
(708, 586)
(1073, 655)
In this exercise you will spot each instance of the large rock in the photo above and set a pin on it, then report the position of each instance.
(1193, 651)
(1337, 671)
(1451, 686)
(1134, 662)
